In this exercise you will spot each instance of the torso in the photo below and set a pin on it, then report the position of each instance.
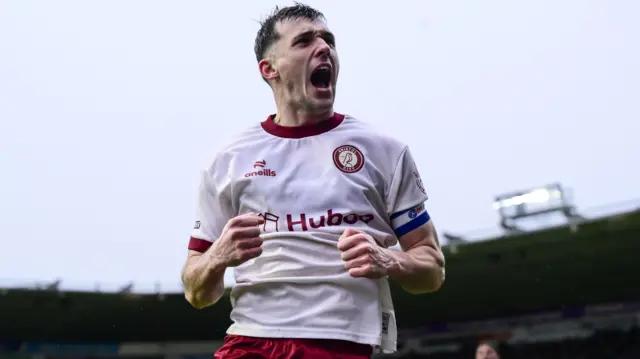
(309, 190)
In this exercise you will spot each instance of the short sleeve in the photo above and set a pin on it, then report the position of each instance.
(213, 210)
(406, 196)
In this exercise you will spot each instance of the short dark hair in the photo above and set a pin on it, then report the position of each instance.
(267, 35)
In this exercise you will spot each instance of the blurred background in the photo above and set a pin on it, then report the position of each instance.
(522, 116)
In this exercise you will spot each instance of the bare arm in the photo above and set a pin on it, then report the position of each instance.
(203, 279)
(419, 268)
(203, 273)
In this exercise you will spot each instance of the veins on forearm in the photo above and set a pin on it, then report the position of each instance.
(418, 270)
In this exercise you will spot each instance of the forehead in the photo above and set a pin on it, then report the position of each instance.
(292, 27)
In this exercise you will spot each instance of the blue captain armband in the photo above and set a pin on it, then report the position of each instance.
(406, 221)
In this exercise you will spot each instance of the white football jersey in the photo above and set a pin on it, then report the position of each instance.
(310, 183)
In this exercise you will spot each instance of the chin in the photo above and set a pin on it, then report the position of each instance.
(321, 106)
(317, 105)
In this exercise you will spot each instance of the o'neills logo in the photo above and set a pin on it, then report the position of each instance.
(266, 172)
(263, 172)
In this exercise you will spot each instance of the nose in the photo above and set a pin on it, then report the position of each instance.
(323, 49)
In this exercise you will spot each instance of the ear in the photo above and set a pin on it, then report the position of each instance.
(267, 70)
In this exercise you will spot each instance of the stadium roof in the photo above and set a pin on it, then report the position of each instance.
(164, 287)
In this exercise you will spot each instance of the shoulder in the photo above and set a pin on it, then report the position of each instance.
(356, 126)
(373, 139)
(224, 152)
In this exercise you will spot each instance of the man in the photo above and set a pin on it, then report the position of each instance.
(304, 207)
(487, 350)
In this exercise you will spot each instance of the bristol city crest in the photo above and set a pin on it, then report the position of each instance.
(348, 159)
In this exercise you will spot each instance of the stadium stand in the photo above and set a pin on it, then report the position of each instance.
(565, 292)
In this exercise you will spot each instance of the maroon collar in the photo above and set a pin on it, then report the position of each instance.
(302, 131)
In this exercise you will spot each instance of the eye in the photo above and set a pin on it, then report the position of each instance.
(330, 40)
(302, 41)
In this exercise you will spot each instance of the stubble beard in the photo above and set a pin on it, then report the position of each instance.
(315, 106)
(300, 98)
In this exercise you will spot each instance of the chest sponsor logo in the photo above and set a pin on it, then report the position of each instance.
(348, 159)
(260, 169)
(303, 222)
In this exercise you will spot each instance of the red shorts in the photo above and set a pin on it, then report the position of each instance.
(240, 347)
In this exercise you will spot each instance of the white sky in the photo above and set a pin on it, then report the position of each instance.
(108, 110)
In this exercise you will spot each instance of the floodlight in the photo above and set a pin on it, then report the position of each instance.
(533, 202)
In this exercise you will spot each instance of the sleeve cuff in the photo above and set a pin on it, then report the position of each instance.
(199, 245)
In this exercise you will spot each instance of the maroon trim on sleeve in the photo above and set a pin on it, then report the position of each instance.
(199, 245)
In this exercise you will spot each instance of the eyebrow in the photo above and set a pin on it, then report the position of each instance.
(309, 33)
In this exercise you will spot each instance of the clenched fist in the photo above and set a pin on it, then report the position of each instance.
(240, 240)
(362, 255)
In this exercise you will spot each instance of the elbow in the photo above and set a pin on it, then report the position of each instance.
(435, 285)
(201, 299)
(423, 289)
(430, 283)
(195, 301)
(200, 291)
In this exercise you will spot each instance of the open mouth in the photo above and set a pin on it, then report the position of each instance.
(321, 77)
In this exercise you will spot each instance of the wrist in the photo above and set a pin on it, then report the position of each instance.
(393, 263)
(215, 264)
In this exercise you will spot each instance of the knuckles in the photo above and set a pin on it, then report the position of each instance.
(233, 233)
(247, 243)
(367, 268)
(365, 260)
(242, 242)
(351, 241)
(365, 249)
(240, 233)
(361, 237)
(250, 253)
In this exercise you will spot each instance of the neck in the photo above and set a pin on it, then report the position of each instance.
(291, 116)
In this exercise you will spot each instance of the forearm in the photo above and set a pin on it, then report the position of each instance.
(203, 279)
(418, 270)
